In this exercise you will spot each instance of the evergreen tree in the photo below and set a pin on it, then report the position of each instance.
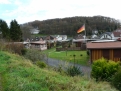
(4, 29)
(15, 31)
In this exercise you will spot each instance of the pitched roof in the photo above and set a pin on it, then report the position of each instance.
(103, 45)
(49, 37)
(108, 33)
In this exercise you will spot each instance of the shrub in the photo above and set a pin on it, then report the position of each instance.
(73, 71)
(34, 55)
(23, 51)
(116, 80)
(88, 52)
(41, 64)
(15, 47)
(2, 45)
(103, 69)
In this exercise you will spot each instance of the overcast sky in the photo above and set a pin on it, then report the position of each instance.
(29, 10)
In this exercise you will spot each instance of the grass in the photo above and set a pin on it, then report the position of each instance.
(81, 57)
(19, 74)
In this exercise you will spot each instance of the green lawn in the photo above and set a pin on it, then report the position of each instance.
(81, 57)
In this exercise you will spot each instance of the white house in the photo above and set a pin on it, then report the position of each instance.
(94, 36)
(61, 37)
(34, 31)
(107, 35)
(111, 35)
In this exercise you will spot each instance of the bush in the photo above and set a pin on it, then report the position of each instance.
(73, 71)
(41, 64)
(34, 55)
(23, 51)
(15, 47)
(88, 52)
(116, 80)
(103, 69)
(2, 45)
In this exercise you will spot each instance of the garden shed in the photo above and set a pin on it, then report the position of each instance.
(110, 50)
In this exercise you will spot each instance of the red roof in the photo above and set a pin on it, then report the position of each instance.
(103, 45)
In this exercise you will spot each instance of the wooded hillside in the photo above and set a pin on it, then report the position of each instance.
(70, 25)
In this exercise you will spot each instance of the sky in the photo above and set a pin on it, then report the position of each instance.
(30, 10)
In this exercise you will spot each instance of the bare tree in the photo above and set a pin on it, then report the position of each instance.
(26, 31)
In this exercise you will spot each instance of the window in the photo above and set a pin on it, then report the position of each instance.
(37, 46)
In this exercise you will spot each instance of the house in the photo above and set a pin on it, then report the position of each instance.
(94, 36)
(39, 45)
(27, 43)
(35, 43)
(117, 35)
(107, 36)
(53, 39)
(111, 35)
(118, 30)
(80, 36)
(50, 38)
(34, 31)
(95, 32)
(61, 37)
(110, 50)
(80, 41)
(64, 37)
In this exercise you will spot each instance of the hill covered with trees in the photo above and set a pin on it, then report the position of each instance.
(70, 25)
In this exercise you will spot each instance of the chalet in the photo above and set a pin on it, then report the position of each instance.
(39, 45)
(110, 50)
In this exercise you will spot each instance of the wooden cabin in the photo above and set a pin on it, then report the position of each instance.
(39, 45)
(108, 50)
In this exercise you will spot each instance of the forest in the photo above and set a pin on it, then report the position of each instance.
(70, 25)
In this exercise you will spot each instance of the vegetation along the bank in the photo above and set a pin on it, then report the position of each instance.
(20, 74)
